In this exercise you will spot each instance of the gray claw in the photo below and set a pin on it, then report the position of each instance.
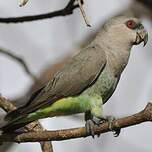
(116, 131)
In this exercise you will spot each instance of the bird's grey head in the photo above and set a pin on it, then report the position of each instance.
(126, 30)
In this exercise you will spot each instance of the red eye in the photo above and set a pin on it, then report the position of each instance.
(131, 24)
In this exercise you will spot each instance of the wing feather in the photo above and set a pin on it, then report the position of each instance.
(76, 76)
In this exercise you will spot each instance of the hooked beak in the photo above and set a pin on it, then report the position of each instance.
(142, 36)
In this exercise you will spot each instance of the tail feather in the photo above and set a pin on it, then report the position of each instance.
(15, 124)
(16, 113)
(15, 118)
(13, 114)
(11, 127)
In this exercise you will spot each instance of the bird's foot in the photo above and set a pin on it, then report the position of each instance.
(90, 127)
(110, 120)
(97, 122)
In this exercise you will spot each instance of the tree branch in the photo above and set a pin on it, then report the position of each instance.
(143, 116)
(62, 12)
(7, 106)
(80, 3)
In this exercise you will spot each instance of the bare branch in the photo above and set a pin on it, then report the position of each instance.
(68, 10)
(23, 3)
(7, 106)
(36, 127)
(143, 116)
(20, 61)
(80, 2)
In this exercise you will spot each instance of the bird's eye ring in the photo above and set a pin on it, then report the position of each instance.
(131, 24)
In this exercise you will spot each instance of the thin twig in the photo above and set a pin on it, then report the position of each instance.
(68, 10)
(20, 61)
(7, 106)
(140, 117)
(83, 13)
(23, 3)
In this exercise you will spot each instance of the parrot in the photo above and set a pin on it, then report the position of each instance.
(87, 81)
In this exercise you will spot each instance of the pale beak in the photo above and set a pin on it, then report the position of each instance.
(142, 36)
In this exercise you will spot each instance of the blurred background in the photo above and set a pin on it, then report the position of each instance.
(46, 45)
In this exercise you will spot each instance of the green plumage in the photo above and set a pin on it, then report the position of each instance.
(66, 106)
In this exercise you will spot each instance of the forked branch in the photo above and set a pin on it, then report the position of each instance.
(68, 10)
(7, 106)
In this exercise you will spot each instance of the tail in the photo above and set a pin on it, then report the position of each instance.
(14, 125)
(16, 119)
(13, 119)
(12, 115)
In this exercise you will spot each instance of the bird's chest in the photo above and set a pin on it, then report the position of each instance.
(105, 85)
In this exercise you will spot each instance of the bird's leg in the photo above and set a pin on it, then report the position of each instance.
(91, 116)
(98, 117)
(89, 125)
(95, 116)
